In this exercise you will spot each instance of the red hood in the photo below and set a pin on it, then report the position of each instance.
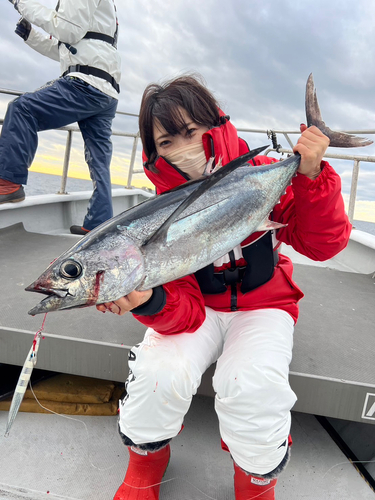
(221, 141)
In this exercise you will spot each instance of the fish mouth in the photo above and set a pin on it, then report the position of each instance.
(53, 301)
(62, 293)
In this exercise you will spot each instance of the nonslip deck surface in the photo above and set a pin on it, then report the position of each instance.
(50, 457)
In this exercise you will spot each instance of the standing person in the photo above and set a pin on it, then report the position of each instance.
(239, 311)
(83, 37)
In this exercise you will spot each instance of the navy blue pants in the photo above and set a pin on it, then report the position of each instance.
(59, 103)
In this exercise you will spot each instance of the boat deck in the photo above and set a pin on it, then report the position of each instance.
(83, 458)
(332, 372)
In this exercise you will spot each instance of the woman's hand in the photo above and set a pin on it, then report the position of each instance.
(125, 304)
(311, 146)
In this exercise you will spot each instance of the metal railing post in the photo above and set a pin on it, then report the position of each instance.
(353, 191)
(64, 176)
(132, 160)
(288, 139)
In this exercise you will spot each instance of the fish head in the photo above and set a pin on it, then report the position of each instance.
(92, 272)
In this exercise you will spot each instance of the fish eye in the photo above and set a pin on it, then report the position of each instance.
(70, 269)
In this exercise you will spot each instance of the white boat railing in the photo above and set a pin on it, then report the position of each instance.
(271, 134)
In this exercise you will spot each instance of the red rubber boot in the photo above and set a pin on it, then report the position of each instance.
(248, 487)
(144, 475)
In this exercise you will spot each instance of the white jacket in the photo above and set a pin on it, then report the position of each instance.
(69, 24)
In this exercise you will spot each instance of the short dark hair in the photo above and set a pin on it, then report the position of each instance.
(162, 102)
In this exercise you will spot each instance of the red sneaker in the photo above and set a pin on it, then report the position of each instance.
(8, 187)
(248, 487)
(144, 474)
(11, 192)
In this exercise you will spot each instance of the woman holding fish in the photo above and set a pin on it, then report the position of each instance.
(239, 311)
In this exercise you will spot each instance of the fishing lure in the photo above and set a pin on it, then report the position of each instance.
(24, 378)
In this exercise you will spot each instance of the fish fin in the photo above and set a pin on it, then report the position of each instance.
(206, 184)
(209, 167)
(268, 225)
(314, 117)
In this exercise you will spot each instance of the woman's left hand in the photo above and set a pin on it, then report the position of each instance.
(311, 146)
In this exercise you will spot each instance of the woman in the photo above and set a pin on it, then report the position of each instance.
(240, 311)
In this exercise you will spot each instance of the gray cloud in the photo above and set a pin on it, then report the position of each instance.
(254, 54)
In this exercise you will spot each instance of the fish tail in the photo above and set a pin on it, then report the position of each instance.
(314, 117)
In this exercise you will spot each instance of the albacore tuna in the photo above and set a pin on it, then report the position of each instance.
(176, 233)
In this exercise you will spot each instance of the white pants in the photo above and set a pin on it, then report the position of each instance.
(253, 350)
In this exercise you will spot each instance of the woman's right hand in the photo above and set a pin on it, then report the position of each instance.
(127, 303)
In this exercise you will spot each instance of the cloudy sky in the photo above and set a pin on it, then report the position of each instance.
(255, 55)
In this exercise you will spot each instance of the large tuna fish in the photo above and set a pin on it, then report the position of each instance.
(176, 233)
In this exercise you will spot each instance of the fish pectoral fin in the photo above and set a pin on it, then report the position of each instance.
(208, 169)
(211, 168)
(268, 225)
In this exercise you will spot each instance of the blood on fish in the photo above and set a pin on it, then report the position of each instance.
(98, 281)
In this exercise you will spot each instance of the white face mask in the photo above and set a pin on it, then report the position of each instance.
(190, 159)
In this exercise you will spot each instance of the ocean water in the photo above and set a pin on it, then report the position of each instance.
(46, 184)
(362, 225)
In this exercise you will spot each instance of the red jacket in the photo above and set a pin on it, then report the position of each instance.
(317, 227)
